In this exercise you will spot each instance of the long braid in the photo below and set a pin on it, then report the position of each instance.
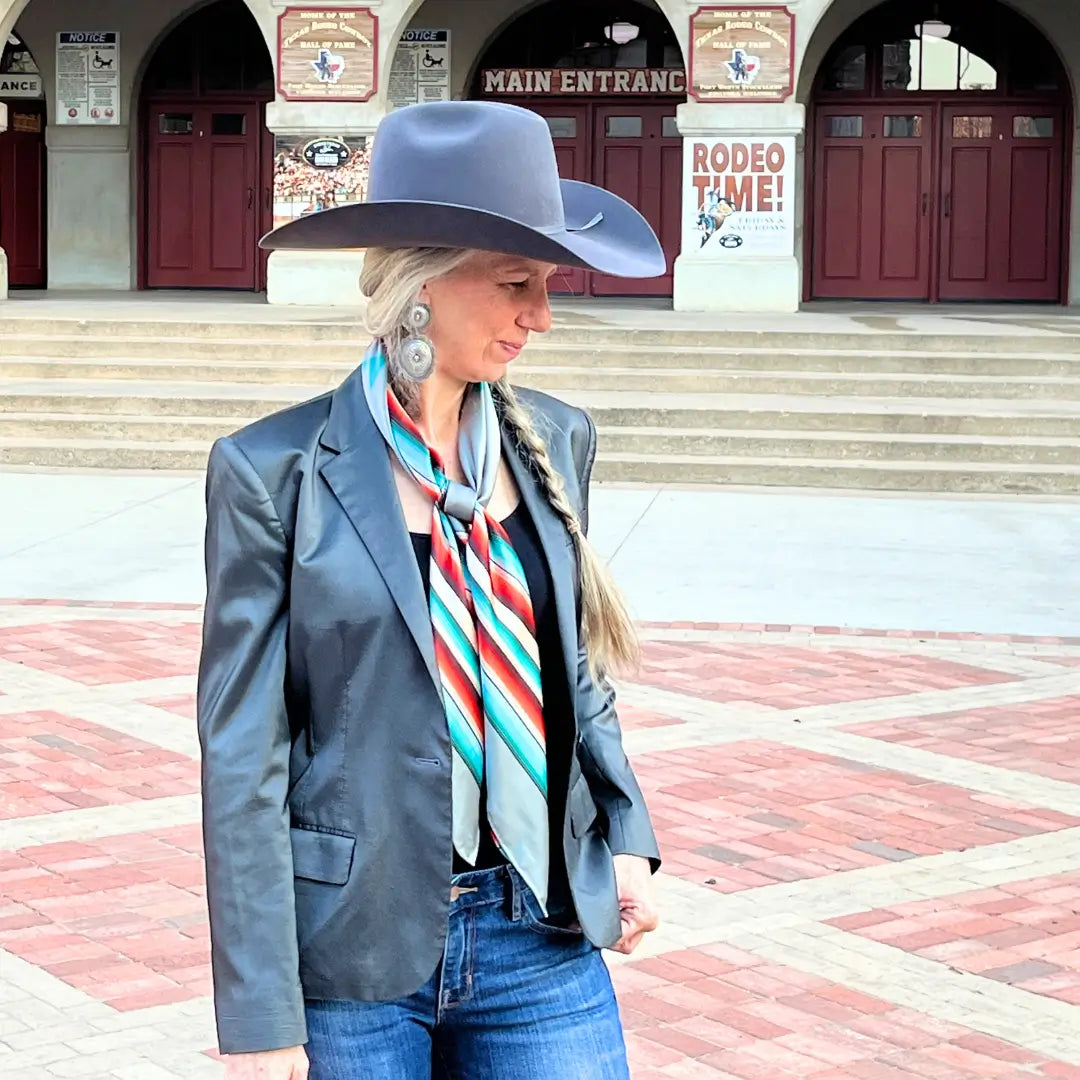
(611, 640)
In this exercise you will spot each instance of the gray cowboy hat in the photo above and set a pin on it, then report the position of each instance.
(480, 174)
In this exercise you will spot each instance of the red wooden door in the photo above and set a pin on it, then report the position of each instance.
(569, 125)
(1001, 190)
(22, 195)
(638, 155)
(204, 203)
(873, 190)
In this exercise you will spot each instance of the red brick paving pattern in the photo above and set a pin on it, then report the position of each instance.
(789, 677)
(122, 917)
(99, 651)
(1040, 737)
(55, 762)
(1024, 933)
(747, 814)
(725, 1013)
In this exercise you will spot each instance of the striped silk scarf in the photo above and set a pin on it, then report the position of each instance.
(485, 634)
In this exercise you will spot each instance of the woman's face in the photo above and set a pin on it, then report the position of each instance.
(483, 312)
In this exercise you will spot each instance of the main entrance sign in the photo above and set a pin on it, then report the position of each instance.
(590, 81)
(327, 54)
(742, 54)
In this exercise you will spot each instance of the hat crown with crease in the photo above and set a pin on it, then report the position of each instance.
(480, 174)
(487, 155)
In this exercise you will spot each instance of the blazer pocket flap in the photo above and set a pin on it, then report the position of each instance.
(582, 808)
(322, 856)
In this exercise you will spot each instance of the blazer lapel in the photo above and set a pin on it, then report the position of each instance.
(556, 542)
(360, 476)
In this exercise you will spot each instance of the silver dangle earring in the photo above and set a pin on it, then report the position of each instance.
(416, 355)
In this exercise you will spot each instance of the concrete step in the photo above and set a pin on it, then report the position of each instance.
(61, 356)
(844, 475)
(842, 445)
(818, 384)
(240, 403)
(685, 468)
(659, 438)
(585, 377)
(276, 325)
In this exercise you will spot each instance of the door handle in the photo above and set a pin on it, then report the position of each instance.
(251, 197)
(268, 198)
(925, 203)
(947, 210)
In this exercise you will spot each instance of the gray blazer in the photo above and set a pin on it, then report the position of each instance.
(326, 755)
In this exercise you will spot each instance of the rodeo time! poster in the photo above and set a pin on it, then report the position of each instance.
(740, 198)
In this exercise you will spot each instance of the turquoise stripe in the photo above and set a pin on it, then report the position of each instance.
(449, 630)
(463, 737)
(530, 669)
(510, 727)
(506, 558)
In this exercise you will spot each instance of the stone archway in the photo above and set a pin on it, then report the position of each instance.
(207, 157)
(937, 138)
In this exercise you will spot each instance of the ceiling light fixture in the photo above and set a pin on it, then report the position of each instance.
(933, 28)
(622, 32)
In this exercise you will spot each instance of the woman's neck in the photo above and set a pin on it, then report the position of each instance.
(439, 409)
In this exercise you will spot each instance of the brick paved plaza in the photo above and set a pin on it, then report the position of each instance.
(872, 845)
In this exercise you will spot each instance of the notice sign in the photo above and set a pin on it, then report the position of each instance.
(740, 198)
(327, 54)
(88, 77)
(421, 68)
(742, 54)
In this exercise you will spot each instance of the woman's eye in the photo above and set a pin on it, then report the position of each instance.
(518, 284)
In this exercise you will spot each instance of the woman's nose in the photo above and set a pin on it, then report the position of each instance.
(537, 316)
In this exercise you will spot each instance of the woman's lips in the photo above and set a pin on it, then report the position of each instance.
(512, 348)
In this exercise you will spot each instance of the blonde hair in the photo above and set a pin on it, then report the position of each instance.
(391, 280)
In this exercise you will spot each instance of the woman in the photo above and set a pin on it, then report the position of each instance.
(420, 824)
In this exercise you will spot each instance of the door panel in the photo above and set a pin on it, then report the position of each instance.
(638, 156)
(231, 202)
(204, 207)
(966, 230)
(172, 207)
(570, 134)
(1001, 184)
(873, 180)
(841, 215)
(902, 249)
(22, 196)
(1030, 215)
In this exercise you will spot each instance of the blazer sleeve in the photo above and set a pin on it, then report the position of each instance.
(244, 734)
(604, 763)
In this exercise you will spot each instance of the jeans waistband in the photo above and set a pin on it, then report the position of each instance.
(479, 887)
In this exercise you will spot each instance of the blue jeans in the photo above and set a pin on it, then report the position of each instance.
(514, 998)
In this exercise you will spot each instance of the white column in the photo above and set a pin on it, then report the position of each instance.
(318, 278)
(761, 270)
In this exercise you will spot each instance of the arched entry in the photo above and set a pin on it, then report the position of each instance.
(208, 156)
(939, 134)
(22, 166)
(607, 75)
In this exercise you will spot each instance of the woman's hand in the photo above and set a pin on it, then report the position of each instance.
(638, 909)
(288, 1064)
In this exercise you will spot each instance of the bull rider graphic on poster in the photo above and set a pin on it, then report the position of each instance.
(740, 196)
